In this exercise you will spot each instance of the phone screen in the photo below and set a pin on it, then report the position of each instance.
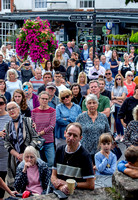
(25, 88)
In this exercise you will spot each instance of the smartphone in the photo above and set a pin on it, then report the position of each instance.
(25, 88)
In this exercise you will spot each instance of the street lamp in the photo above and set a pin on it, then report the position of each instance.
(94, 25)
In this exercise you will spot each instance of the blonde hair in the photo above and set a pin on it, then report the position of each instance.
(84, 74)
(61, 57)
(12, 71)
(122, 83)
(63, 93)
(135, 113)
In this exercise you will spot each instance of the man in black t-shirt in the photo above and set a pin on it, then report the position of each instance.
(72, 161)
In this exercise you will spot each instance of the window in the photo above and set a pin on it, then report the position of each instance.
(40, 3)
(86, 4)
(7, 31)
(6, 4)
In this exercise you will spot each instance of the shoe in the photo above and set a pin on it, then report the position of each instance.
(121, 138)
(117, 138)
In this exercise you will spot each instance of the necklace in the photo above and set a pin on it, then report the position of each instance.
(68, 157)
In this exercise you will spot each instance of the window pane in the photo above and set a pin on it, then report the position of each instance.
(40, 3)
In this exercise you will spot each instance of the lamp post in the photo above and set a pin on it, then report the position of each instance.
(94, 24)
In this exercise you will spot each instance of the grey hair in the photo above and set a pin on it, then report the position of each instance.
(103, 56)
(28, 83)
(85, 45)
(125, 55)
(15, 104)
(31, 150)
(135, 113)
(107, 45)
(38, 68)
(12, 71)
(128, 73)
(91, 97)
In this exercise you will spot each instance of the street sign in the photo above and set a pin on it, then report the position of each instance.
(105, 20)
(84, 25)
(77, 18)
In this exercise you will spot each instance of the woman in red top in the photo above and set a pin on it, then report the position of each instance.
(129, 83)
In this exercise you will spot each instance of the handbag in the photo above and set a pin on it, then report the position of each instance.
(112, 108)
(115, 149)
(40, 143)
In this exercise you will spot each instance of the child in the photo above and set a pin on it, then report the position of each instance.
(130, 167)
(105, 160)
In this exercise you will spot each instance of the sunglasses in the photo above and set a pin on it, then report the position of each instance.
(63, 98)
(118, 79)
(2, 103)
(130, 75)
(107, 73)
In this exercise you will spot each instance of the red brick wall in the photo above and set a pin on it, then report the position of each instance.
(12, 1)
(0, 5)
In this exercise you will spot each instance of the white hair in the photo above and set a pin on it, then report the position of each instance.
(91, 97)
(135, 113)
(84, 45)
(13, 102)
(38, 69)
(28, 83)
(125, 55)
(12, 71)
(128, 73)
(31, 150)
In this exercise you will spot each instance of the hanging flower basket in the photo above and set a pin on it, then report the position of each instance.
(36, 40)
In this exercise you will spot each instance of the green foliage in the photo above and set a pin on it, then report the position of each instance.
(110, 36)
(133, 1)
(134, 37)
(12, 37)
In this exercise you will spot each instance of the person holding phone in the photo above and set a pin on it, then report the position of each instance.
(27, 71)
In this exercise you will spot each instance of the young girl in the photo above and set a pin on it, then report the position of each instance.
(105, 160)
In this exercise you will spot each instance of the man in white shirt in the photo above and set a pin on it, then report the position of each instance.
(108, 53)
(65, 55)
(57, 79)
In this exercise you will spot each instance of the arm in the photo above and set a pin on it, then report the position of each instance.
(60, 120)
(46, 174)
(19, 68)
(33, 72)
(106, 112)
(89, 184)
(127, 135)
(100, 164)
(133, 173)
(6, 188)
(55, 181)
(52, 123)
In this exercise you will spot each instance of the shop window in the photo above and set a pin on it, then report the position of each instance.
(86, 3)
(6, 4)
(40, 3)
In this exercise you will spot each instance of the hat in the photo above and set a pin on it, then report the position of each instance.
(51, 85)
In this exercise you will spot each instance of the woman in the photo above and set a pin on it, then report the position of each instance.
(77, 96)
(48, 67)
(66, 112)
(118, 95)
(58, 55)
(32, 173)
(129, 83)
(31, 98)
(45, 118)
(126, 66)
(12, 82)
(4, 118)
(125, 112)
(84, 55)
(131, 132)
(3, 90)
(82, 81)
(19, 135)
(93, 125)
(19, 98)
(6, 57)
(108, 53)
(114, 63)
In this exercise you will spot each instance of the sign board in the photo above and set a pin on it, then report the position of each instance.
(84, 25)
(77, 18)
(105, 20)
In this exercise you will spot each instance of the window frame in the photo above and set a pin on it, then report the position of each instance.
(5, 2)
(87, 2)
(40, 2)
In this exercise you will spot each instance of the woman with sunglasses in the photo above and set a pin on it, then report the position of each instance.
(3, 90)
(129, 83)
(4, 119)
(118, 95)
(66, 112)
(44, 118)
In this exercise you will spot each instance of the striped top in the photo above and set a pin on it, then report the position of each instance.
(45, 120)
(36, 84)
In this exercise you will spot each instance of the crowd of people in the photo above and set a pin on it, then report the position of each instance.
(69, 103)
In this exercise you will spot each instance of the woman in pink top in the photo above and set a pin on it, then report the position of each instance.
(32, 174)
(45, 118)
(129, 83)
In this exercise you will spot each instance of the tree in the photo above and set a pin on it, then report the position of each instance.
(133, 1)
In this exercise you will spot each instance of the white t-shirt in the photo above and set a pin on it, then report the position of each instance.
(61, 88)
(108, 55)
(12, 86)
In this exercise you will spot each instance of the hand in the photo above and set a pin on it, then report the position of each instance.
(124, 125)
(106, 155)
(26, 165)
(34, 125)
(58, 182)
(20, 157)
(2, 133)
(64, 189)
(13, 193)
(41, 133)
(31, 67)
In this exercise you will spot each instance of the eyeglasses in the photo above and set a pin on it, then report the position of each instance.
(58, 76)
(63, 98)
(31, 157)
(2, 103)
(118, 79)
(107, 73)
(45, 99)
(12, 108)
(130, 75)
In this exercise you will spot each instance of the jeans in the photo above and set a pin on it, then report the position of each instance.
(49, 153)
(119, 127)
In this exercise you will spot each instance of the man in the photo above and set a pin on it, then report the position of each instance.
(65, 55)
(89, 63)
(72, 161)
(103, 62)
(37, 80)
(53, 99)
(104, 102)
(103, 91)
(75, 47)
(130, 166)
(96, 70)
(3, 67)
(47, 77)
(72, 72)
(109, 81)
(108, 53)
(57, 79)
(69, 49)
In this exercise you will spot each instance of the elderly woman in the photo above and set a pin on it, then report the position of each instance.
(13, 83)
(32, 173)
(44, 117)
(129, 83)
(131, 133)
(93, 125)
(32, 99)
(126, 66)
(19, 134)
(84, 55)
(66, 112)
